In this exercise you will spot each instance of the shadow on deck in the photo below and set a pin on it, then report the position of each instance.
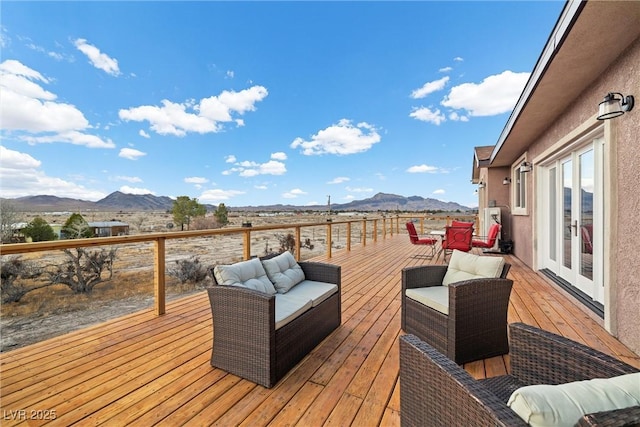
(145, 370)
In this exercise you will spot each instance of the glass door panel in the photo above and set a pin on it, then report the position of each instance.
(567, 190)
(586, 214)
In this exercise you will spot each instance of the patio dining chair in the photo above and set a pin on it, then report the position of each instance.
(426, 241)
(457, 238)
(489, 241)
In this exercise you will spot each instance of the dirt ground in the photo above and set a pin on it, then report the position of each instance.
(21, 326)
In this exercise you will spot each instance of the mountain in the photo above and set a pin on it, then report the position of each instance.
(391, 202)
(134, 202)
(118, 201)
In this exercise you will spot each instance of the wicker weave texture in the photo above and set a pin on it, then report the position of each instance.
(476, 326)
(245, 340)
(435, 391)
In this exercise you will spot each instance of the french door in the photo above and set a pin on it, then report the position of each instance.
(572, 209)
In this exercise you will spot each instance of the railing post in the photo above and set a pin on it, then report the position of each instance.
(159, 277)
(246, 243)
(384, 227)
(398, 225)
(329, 240)
(375, 230)
(421, 225)
(348, 236)
(364, 232)
(297, 248)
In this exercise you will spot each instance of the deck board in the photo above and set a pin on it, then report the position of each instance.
(144, 370)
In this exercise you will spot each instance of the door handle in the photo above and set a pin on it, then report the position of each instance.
(575, 227)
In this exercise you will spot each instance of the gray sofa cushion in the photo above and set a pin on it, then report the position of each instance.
(288, 307)
(283, 271)
(317, 292)
(247, 274)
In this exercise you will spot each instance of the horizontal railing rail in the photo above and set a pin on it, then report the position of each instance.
(381, 225)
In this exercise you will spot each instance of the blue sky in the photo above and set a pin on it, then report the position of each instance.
(254, 103)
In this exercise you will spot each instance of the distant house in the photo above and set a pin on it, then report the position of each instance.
(109, 228)
(563, 180)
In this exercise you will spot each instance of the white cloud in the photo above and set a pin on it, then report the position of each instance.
(359, 190)
(249, 168)
(458, 59)
(206, 116)
(425, 114)
(20, 176)
(339, 180)
(144, 134)
(348, 197)
(131, 179)
(445, 69)
(98, 59)
(260, 187)
(27, 107)
(429, 88)
(342, 138)
(279, 156)
(230, 159)
(439, 191)
(218, 195)
(423, 169)
(196, 180)
(455, 117)
(131, 153)
(230, 74)
(134, 190)
(496, 94)
(292, 194)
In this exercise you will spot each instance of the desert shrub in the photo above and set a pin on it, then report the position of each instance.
(82, 270)
(204, 223)
(188, 270)
(288, 243)
(17, 279)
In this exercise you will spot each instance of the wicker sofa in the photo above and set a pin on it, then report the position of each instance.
(475, 326)
(435, 391)
(247, 338)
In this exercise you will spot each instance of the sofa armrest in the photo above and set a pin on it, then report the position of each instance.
(479, 300)
(422, 276)
(541, 357)
(243, 332)
(617, 417)
(322, 272)
(435, 388)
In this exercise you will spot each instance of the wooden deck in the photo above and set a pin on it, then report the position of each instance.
(145, 370)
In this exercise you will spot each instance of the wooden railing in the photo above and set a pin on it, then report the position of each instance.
(379, 226)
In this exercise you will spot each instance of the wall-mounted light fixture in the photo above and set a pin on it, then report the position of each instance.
(614, 104)
(481, 184)
(526, 167)
(506, 181)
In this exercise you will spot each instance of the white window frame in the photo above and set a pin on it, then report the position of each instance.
(519, 193)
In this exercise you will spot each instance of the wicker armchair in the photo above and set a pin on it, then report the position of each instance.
(436, 391)
(476, 326)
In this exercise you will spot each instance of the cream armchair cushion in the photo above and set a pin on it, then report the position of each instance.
(466, 266)
(564, 404)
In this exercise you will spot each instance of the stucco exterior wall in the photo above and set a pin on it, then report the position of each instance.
(624, 132)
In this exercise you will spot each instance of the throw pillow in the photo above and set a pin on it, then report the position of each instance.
(283, 271)
(565, 404)
(466, 266)
(247, 274)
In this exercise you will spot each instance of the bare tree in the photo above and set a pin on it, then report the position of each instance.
(9, 215)
(83, 269)
(15, 274)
